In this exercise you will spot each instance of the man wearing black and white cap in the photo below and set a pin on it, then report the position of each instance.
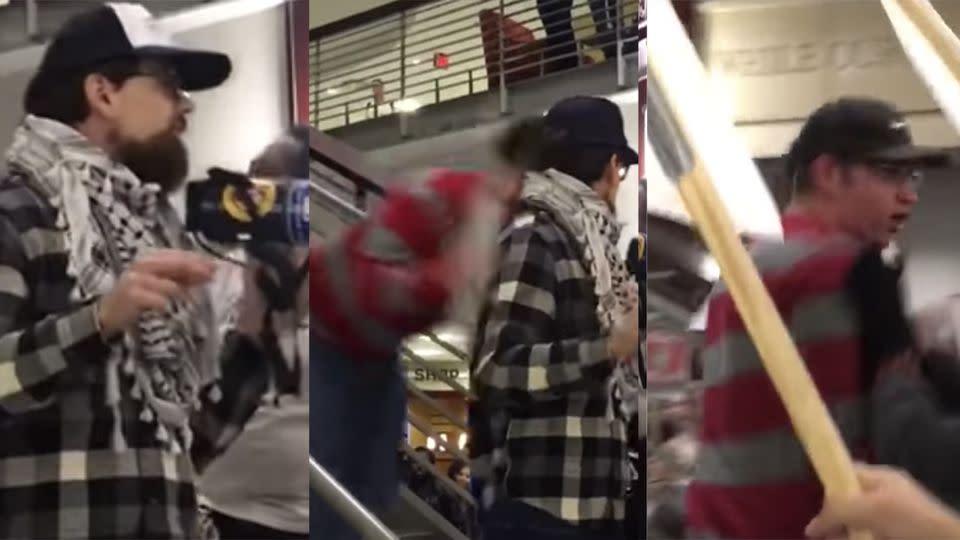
(554, 363)
(115, 389)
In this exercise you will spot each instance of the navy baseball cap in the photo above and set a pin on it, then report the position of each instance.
(860, 130)
(592, 121)
(124, 30)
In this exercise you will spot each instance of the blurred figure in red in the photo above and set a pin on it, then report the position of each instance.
(394, 274)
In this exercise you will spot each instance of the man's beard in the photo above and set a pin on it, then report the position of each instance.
(161, 160)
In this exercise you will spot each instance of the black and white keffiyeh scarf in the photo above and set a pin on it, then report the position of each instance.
(109, 219)
(594, 226)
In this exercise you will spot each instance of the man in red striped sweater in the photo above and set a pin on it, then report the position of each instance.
(855, 171)
(384, 278)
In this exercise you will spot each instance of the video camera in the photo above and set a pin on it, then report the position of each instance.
(231, 208)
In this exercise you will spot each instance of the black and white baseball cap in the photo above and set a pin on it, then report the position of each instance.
(125, 30)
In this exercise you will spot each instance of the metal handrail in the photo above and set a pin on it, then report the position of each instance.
(361, 519)
(432, 40)
(402, 86)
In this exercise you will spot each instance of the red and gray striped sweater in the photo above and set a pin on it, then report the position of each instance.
(389, 275)
(752, 478)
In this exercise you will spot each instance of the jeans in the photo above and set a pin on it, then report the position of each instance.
(231, 528)
(514, 520)
(357, 413)
(561, 42)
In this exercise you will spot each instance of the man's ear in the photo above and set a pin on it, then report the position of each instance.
(100, 94)
(825, 175)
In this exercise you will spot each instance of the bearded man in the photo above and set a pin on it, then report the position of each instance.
(115, 388)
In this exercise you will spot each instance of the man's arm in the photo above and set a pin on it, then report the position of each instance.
(33, 356)
(907, 427)
(520, 359)
(243, 382)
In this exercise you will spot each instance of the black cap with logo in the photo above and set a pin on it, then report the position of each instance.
(592, 121)
(857, 130)
(123, 30)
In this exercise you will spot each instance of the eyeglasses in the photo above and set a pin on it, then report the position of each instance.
(899, 174)
(166, 78)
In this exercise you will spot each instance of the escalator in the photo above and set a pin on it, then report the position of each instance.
(343, 186)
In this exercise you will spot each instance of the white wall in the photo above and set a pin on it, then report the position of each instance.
(236, 121)
(777, 60)
(931, 241)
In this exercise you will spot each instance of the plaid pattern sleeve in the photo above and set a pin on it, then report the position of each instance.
(523, 357)
(241, 389)
(33, 356)
(543, 431)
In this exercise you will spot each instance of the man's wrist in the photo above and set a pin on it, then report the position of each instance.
(99, 323)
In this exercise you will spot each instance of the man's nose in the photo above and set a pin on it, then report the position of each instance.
(909, 195)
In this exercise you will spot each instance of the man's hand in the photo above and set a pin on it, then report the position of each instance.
(892, 507)
(149, 284)
(624, 339)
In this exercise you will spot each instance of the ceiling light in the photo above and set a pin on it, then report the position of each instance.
(332, 91)
(408, 105)
(462, 442)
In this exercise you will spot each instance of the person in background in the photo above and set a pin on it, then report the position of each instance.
(115, 386)
(258, 489)
(391, 275)
(554, 357)
(855, 170)
(561, 48)
(458, 511)
(892, 506)
(459, 472)
(423, 483)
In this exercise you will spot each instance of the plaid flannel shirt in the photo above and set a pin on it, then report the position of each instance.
(59, 474)
(540, 368)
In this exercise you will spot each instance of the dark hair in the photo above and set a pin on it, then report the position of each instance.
(287, 156)
(60, 96)
(455, 467)
(532, 145)
(431, 457)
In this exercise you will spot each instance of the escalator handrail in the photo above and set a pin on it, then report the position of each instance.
(361, 519)
(347, 162)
